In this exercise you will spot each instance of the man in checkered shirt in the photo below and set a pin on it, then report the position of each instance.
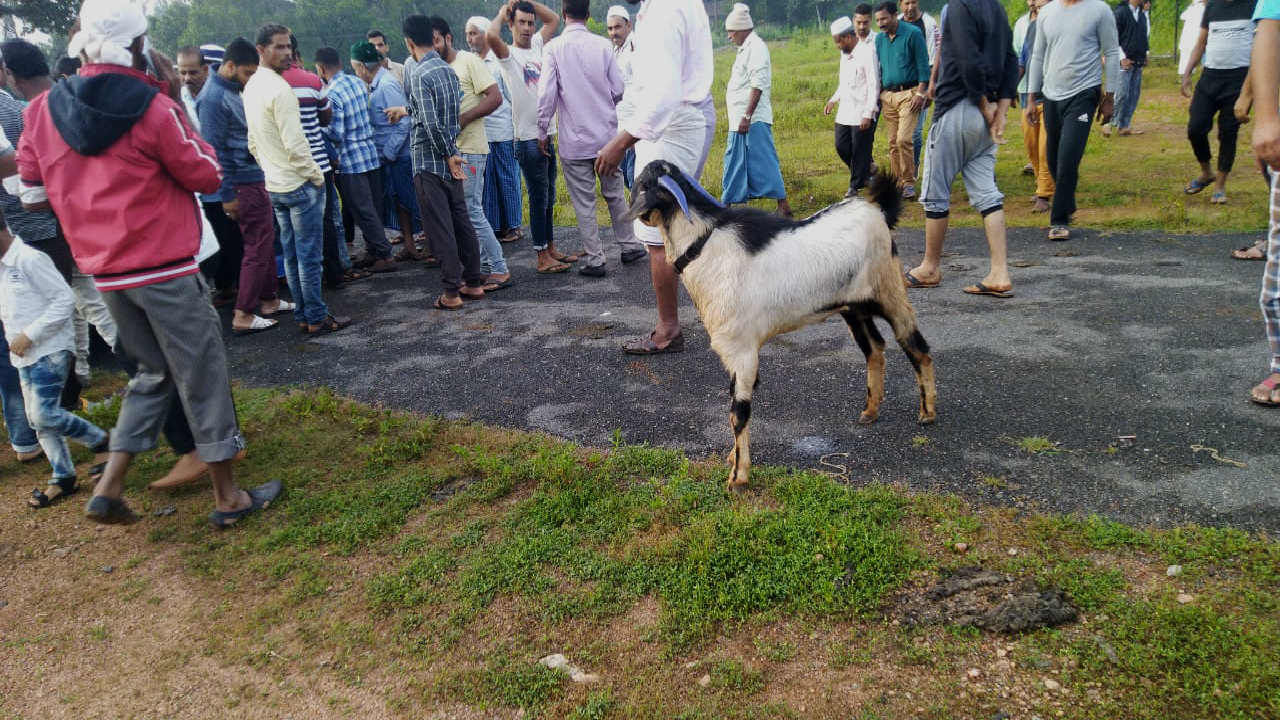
(435, 95)
(359, 166)
(1265, 77)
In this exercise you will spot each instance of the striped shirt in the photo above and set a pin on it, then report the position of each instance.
(351, 130)
(434, 97)
(32, 226)
(308, 89)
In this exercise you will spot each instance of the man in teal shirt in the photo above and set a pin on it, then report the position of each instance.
(904, 84)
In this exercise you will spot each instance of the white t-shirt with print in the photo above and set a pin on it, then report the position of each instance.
(522, 69)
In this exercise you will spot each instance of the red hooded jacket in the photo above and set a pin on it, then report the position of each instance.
(120, 164)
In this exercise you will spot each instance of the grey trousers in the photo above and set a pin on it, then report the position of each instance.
(171, 331)
(580, 178)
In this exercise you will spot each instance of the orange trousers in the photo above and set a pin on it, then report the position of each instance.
(1036, 140)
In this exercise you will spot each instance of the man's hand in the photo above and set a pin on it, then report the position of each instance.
(1186, 86)
(20, 345)
(1126, 63)
(865, 124)
(1106, 108)
(1266, 141)
(455, 168)
(918, 101)
(744, 126)
(611, 155)
(542, 147)
(831, 105)
(1033, 114)
(994, 115)
(396, 114)
(232, 209)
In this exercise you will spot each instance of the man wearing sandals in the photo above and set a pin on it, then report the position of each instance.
(1265, 77)
(434, 100)
(1226, 32)
(118, 161)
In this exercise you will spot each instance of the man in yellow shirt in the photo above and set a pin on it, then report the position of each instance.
(294, 180)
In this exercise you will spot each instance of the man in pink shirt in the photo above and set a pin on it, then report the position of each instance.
(581, 82)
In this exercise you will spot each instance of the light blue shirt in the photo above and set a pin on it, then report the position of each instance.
(390, 139)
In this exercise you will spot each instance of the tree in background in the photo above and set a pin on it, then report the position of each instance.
(49, 16)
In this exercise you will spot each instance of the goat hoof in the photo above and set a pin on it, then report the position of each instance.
(867, 417)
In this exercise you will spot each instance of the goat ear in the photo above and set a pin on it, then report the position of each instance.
(673, 187)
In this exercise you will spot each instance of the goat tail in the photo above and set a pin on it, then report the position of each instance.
(884, 193)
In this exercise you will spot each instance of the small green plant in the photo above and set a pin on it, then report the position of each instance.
(1037, 445)
(919, 441)
(775, 650)
(596, 707)
(992, 481)
(99, 632)
(733, 675)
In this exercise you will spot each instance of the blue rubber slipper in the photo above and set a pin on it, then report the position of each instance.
(261, 498)
(109, 511)
(1196, 185)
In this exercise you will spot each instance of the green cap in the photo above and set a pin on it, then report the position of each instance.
(365, 52)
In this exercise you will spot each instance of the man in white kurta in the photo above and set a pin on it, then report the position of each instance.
(858, 97)
(672, 69)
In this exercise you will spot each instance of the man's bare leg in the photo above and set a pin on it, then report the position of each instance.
(997, 242)
(935, 232)
(227, 496)
(409, 250)
(111, 484)
(665, 286)
(1220, 182)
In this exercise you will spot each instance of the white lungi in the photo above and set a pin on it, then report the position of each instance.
(683, 144)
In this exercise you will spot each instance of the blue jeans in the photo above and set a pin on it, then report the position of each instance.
(540, 177)
(42, 383)
(628, 167)
(491, 257)
(1127, 96)
(300, 215)
(21, 436)
(335, 220)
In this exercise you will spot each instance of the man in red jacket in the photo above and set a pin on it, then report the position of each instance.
(117, 160)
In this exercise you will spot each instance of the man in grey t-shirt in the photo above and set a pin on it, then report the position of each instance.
(1073, 37)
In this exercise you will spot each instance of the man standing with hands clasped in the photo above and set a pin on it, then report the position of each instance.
(904, 85)
(977, 82)
(857, 94)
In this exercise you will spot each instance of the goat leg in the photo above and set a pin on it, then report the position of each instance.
(741, 385)
(869, 340)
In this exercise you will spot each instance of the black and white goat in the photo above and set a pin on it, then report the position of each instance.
(754, 275)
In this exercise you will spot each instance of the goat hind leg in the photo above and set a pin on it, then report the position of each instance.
(917, 350)
(742, 371)
(864, 332)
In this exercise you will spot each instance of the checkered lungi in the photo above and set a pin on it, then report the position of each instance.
(1270, 299)
(502, 199)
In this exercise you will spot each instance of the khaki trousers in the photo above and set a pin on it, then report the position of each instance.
(1037, 143)
(900, 124)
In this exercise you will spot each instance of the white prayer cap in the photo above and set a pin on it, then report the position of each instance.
(618, 11)
(841, 26)
(107, 29)
(477, 22)
(739, 18)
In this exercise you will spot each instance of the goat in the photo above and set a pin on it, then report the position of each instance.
(753, 275)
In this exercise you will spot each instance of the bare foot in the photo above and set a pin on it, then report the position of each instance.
(1040, 205)
(920, 276)
(1267, 392)
(186, 471)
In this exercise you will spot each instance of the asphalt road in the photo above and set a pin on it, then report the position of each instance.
(1128, 351)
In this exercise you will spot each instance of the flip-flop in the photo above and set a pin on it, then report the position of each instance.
(439, 305)
(981, 289)
(257, 325)
(283, 307)
(471, 297)
(911, 281)
(1218, 198)
(1058, 233)
(1196, 185)
(1270, 384)
(1241, 253)
(553, 269)
(260, 498)
(353, 275)
(109, 511)
(494, 285)
(646, 346)
(63, 486)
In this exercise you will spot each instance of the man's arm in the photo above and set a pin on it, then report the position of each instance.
(392, 95)
(1266, 85)
(336, 129)
(550, 20)
(491, 100)
(179, 148)
(1109, 41)
(494, 34)
(1035, 69)
(60, 302)
(1193, 59)
(213, 127)
(548, 95)
(288, 120)
(1122, 16)
(920, 52)
(617, 86)
(870, 100)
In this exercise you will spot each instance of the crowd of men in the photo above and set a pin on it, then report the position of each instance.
(274, 160)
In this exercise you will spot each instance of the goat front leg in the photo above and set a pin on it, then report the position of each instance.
(863, 329)
(742, 382)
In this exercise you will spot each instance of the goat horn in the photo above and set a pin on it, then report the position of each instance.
(701, 190)
(673, 187)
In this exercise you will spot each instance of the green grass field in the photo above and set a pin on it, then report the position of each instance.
(1125, 183)
(420, 568)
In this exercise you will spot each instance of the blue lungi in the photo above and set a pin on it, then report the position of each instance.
(397, 181)
(502, 200)
(751, 168)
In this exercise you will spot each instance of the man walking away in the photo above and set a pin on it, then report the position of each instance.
(293, 179)
(673, 67)
(243, 194)
(977, 82)
(359, 167)
(925, 23)
(581, 84)
(751, 168)
(434, 98)
(618, 25)
(1266, 146)
(521, 65)
(1034, 136)
(1226, 37)
(904, 85)
(1133, 30)
(138, 239)
(1071, 36)
(480, 96)
(858, 95)
(503, 207)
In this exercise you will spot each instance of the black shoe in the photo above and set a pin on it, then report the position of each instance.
(596, 271)
(631, 256)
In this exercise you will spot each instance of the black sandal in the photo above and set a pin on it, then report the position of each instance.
(328, 325)
(109, 511)
(64, 487)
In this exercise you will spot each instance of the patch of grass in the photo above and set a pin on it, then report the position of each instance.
(596, 707)
(919, 441)
(523, 685)
(735, 676)
(1036, 445)
(1089, 587)
(775, 650)
(992, 481)
(99, 632)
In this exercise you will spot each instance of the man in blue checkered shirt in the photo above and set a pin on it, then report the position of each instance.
(359, 167)
(435, 95)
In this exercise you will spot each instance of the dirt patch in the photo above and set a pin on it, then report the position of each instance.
(595, 330)
(974, 597)
(453, 487)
